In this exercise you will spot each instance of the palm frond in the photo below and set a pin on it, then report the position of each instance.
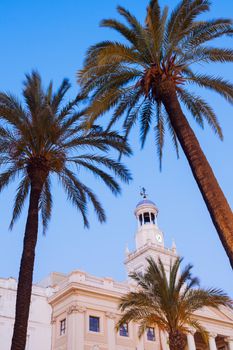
(126, 105)
(7, 176)
(118, 169)
(173, 136)
(122, 29)
(141, 33)
(182, 18)
(204, 31)
(75, 195)
(159, 133)
(200, 109)
(59, 95)
(46, 203)
(216, 84)
(21, 195)
(146, 115)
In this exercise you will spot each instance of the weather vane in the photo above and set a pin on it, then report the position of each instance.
(143, 193)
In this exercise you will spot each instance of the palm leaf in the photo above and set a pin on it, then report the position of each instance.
(21, 195)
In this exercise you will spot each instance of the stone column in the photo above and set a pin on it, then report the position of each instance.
(229, 341)
(54, 332)
(75, 327)
(212, 342)
(139, 340)
(164, 341)
(111, 332)
(191, 341)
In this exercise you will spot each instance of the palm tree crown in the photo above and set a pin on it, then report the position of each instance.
(127, 76)
(51, 138)
(169, 301)
(42, 138)
(146, 79)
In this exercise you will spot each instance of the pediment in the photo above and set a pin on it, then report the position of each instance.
(222, 314)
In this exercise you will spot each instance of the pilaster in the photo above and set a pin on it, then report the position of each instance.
(164, 341)
(75, 329)
(212, 342)
(111, 330)
(191, 340)
(229, 341)
(53, 326)
(140, 345)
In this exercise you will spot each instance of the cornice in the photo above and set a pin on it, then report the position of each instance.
(131, 256)
(75, 287)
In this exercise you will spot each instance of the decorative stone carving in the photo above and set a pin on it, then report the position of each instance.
(110, 315)
(229, 340)
(192, 331)
(213, 335)
(75, 308)
(95, 347)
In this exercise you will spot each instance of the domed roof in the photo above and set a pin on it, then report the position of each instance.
(145, 201)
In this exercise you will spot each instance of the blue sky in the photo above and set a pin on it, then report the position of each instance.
(52, 36)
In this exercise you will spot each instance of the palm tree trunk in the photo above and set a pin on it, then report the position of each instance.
(26, 270)
(177, 341)
(212, 194)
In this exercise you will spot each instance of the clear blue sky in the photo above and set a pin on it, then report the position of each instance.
(52, 36)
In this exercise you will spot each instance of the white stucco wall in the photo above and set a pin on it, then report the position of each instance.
(39, 328)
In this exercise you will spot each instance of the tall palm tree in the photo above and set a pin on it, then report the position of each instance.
(169, 302)
(42, 138)
(146, 79)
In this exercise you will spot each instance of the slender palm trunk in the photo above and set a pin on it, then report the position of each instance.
(26, 270)
(177, 341)
(213, 196)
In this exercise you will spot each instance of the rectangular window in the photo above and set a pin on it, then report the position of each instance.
(63, 327)
(124, 330)
(94, 324)
(150, 334)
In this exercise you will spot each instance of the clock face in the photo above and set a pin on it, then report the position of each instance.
(159, 237)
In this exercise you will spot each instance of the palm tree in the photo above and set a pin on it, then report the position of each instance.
(169, 302)
(46, 137)
(146, 79)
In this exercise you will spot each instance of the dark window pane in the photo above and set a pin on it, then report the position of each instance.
(146, 218)
(140, 219)
(124, 330)
(150, 334)
(94, 324)
(63, 327)
(153, 218)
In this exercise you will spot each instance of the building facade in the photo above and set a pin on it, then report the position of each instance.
(79, 311)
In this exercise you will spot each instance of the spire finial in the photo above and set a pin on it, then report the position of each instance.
(127, 250)
(143, 193)
(173, 245)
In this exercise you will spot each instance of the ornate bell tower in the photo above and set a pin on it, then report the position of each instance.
(149, 238)
(146, 213)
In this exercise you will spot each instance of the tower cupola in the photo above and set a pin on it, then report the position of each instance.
(146, 213)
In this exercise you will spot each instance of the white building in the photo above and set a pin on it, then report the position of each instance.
(79, 311)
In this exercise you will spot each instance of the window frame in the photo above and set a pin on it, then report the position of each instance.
(153, 334)
(62, 327)
(126, 335)
(89, 324)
